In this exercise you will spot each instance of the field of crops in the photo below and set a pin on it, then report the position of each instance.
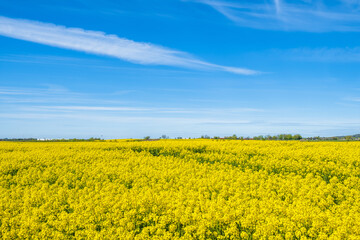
(180, 189)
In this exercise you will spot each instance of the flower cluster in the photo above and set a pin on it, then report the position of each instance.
(180, 189)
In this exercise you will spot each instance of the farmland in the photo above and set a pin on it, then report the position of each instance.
(180, 189)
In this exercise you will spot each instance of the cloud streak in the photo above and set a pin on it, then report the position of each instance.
(99, 43)
(319, 54)
(354, 99)
(308, 16)
(277, 6)
(145, 109)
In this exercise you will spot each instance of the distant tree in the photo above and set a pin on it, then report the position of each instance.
(288, 137)
(164, 137)
(297, 137)
(147, 137)
(348, 138)
(233, 137)
(258, 137)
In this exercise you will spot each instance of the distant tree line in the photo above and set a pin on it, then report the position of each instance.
(148, 138)
(279, 137)
(75, 140)
(339, 138)
(287, 137)
(284, 137)
(19, 139)
(260, 137)
(50, 140)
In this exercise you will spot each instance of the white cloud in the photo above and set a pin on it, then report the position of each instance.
(319, 54)
(96, 108)
(310, 16)
(277, 6)
(145, 109)
(103, 44)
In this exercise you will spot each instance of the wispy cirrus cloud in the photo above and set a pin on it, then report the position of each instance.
(103, 44)
(354, 99)
(277, 6)
(95, 108)
(54, 98)
(319, 54)
(309, 16)
(145, 109)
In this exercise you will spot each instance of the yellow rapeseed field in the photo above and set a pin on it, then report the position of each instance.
(180, 189)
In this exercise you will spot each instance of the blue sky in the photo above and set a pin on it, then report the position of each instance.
(128, 69)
